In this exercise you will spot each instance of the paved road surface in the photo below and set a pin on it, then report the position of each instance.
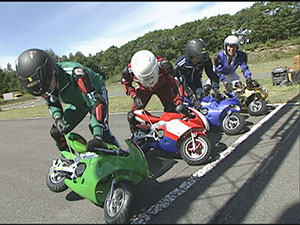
(258, 182)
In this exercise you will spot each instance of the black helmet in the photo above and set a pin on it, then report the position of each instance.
(196, 48)
(35, 70)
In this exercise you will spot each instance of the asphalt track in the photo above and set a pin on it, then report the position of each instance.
(253, 177)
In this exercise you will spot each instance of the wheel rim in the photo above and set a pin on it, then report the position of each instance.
(115, 204)
(255, 106)
(199, 151)
(231, 122)
(54, 176)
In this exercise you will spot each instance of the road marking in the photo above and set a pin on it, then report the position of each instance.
(166, 201)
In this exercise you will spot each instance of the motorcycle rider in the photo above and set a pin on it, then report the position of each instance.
(82, 89)
(189, 67)
(153, 75)
(228, 60)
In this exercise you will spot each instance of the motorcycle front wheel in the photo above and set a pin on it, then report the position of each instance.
(195, 151)
(233, 124)
(141, 142)
(55, 180)
(117, 210)
(257, 107)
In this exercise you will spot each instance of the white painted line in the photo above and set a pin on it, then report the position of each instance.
(189, 182)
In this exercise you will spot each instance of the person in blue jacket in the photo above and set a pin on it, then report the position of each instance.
(228, 60)
(189, 67)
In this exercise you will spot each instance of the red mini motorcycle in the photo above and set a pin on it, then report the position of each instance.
(174, 132)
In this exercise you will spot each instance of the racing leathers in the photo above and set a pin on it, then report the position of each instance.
(191, 76)
(227, 70)
(168, 89)
(82, 90)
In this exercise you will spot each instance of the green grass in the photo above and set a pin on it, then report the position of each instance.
(23, 113)
(261, 67)
(277, 94)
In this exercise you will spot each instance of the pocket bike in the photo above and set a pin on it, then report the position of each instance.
(105, 176)
(252, 96)
(223, 113)
(174, 132)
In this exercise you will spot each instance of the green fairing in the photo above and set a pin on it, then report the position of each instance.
(67, 155)
(76, 142)
(94, 184)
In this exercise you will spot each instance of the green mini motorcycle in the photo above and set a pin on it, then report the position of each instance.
(105, 176)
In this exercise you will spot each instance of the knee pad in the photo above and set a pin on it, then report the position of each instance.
(132, 121)
(130, 116)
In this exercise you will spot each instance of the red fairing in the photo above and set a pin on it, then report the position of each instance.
(81, 85)
(167, 116)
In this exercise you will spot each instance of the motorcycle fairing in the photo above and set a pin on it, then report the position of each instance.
(166, 143)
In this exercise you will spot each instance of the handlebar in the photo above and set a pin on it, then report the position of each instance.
(104, 151)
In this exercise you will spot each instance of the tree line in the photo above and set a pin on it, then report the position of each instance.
(268, 21)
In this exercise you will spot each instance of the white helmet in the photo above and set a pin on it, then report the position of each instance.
(231, 40)
(145, 68)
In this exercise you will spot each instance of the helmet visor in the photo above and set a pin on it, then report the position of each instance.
(149, 80)
(34, 83)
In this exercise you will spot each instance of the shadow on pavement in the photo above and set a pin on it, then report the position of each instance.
(152, 192)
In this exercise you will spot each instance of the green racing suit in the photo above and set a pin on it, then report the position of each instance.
(77, 103)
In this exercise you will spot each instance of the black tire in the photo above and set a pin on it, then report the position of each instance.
(203, 150)
(142, 143)
(118, 211)
(233, 124)
(257, 107)
(56, 180)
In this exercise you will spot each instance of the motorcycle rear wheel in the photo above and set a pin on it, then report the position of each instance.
(257, 107)
(233, 124)
(118, 209)
(55, 180)
(198, 156)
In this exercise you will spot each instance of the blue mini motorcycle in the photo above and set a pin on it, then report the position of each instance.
(224, 113)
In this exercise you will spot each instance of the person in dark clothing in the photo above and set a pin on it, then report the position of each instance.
(189, 68)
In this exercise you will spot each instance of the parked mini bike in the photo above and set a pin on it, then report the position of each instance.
(252, 96)
(105, 176)
(223, 113)
(174, 132)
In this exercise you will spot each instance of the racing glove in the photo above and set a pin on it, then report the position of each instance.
(181, 108)
(228, 86)
(196, 103)
(138, 102)
(206, 89)
(249, 82)
(97, 141)
(199, 96)
(218, 96)
(61, 127)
